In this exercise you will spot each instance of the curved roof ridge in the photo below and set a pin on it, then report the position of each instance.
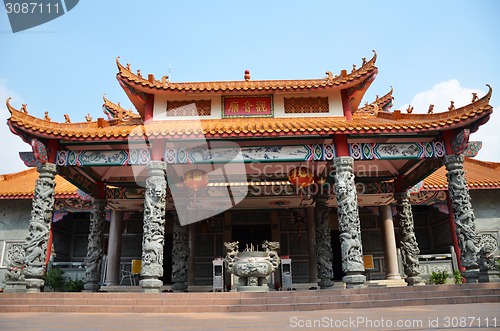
(470, 109)
(379, 103)
(116, 111)
(16, 113)
(12, 175)
(489, 164)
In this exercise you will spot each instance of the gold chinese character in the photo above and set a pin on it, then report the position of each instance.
(247, 106)
(233, 107)
(260, 106)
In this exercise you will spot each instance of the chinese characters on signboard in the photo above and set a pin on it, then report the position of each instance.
(258, 106)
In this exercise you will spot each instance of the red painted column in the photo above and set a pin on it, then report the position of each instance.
(52, 148)
(148, 110)
(346, 105)
(447, 137)
(157, 149)
(341, 145)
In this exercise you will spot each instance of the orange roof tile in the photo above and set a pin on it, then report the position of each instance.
(382, 122)
(150, 85)
(21, 185)
(479, 175)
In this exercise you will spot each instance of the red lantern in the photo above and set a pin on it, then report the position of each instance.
(196, 179)
(301, 177)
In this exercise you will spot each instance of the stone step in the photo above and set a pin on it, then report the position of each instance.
(241, 302)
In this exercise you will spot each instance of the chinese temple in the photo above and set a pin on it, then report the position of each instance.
(299, 162)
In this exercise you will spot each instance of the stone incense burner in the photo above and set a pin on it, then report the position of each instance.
(252, 267)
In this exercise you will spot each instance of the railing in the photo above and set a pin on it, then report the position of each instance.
(437, 262)
(72, 270)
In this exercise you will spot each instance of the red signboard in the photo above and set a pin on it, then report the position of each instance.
(255, 106)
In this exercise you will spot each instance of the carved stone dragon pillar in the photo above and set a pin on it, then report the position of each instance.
(408, 241)
(93, 260)
(323, 247)
(39, 230)
(180, 256)
(153, 228)
(468, 240)
(349, 224)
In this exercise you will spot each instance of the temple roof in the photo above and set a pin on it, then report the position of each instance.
(21, 185)
(396, 122)
(139, 89)
(479, 175)
(150, 85)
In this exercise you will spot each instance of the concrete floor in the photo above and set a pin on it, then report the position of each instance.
(440, 317)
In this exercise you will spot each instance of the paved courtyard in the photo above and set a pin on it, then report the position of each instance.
(479, 316)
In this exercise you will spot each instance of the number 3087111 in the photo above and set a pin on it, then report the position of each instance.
(31, 8)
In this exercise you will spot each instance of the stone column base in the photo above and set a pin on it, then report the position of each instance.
(325, 283)
(471, 276)
(354, 280)
(151, 285)
(179, 287)
(33, 285)
(15, 286)
(490, 276)
(91, 287)
(393, 276)
(414, 281)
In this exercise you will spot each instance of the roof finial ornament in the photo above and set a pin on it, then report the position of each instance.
(23, 108)
(409, 110)
(431, 109)
(474, 97)
(46, 117)
(128, 66)
(452, 106)
(247, 75)
(88, 118)
(139, 73)
(329, 75)
(107, 113)
(376, 97)
(364, 61)
(353, 68)
(165, 79)
(66, 118)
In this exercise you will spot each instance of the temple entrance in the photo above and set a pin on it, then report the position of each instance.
(338, 273)
(167, 259)
(251, 234)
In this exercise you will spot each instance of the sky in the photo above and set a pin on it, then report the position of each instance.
(428, 51)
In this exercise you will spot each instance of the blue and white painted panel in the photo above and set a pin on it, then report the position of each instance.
(387, 151)
(315, 152)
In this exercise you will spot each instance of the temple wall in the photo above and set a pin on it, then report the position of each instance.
(14, 222)
(486, 204)
(334, 105)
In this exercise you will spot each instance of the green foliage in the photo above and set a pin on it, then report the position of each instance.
(54, 278)
(457, 276)
(74, 285)
(438, 277)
